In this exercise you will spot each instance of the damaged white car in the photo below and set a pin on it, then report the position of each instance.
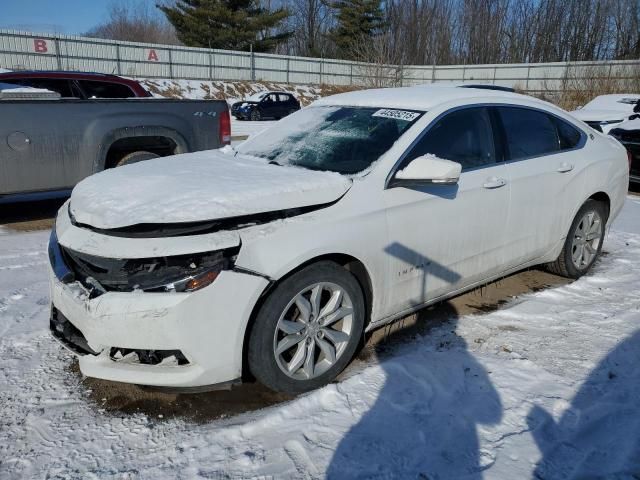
(272, 260)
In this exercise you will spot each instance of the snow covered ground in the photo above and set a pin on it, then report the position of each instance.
(547, 386)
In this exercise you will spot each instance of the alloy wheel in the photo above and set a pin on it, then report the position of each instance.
(586, 240)
(313, 331)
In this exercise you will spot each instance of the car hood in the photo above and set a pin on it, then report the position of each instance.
(198, 187)
(600, 115)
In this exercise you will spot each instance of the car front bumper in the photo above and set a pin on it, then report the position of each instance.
(207, 326)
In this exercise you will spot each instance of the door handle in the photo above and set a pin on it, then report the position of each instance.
(565, 167)
(494, 182)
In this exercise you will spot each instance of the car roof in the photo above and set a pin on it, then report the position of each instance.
(64, 74)
(421, 97)
(57, 72)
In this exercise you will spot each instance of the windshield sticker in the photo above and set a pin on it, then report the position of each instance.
(405, 115)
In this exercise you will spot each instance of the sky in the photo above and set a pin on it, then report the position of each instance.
(53, 16)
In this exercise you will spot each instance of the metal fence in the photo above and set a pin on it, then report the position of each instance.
(24, 50)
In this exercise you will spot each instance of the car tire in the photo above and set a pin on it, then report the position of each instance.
(256, 116)
(289, 354)
(584, 241)
(135, 157)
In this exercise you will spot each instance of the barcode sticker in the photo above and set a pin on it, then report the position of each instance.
(405, 115)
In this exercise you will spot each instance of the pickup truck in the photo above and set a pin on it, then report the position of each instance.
(50, 144)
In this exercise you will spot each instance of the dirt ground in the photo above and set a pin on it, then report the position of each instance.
(116, 398)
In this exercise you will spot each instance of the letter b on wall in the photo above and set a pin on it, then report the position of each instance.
(40, 45)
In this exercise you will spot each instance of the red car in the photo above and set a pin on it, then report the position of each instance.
(77, 84)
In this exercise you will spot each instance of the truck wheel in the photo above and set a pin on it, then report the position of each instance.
(583, 243)
(308, 329)
(135, 157)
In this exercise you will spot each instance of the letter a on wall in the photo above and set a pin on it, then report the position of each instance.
(40, 45)
(153, 56)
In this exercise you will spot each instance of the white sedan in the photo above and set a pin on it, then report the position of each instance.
(272, 260)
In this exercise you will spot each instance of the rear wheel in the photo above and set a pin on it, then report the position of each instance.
(135, 157)
(584, 241)
(308, 329)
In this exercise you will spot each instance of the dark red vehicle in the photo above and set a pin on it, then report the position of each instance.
(77, 84)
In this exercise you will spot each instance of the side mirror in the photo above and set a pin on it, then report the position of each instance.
(427, 169)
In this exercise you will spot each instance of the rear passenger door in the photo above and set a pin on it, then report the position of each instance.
(542, 155)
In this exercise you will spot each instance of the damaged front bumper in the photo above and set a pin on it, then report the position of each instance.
(164, 339)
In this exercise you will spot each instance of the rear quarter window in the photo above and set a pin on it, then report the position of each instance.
(568, 136)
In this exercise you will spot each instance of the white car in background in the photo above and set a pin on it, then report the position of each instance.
(606, 112)
(275, 258)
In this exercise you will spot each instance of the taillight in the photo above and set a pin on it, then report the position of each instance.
(225, 128)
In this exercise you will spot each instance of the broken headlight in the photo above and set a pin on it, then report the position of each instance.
(180, 273)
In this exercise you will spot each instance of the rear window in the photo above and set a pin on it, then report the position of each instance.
(94, 89)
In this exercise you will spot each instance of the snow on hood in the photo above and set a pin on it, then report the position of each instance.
(600, 115)
(608, 107)
(199, 186)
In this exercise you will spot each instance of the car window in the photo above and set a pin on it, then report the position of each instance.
(95, 89)
(568, 135)
(464, 136)
(528, 132)
(284, 98)
(59, 85)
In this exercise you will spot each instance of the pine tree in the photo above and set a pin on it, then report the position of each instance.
(226, 24)
(357, 19)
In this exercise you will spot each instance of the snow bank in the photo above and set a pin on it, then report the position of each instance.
(546, 387)
(232, 91)
(198, 186)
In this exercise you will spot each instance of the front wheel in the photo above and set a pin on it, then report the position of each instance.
(308, 329)
(584, 241)
(255, 116)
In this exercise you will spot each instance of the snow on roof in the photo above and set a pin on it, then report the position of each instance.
(423, 97)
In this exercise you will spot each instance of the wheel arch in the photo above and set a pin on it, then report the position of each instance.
(135, 135)
(346, 261)
(603, 198)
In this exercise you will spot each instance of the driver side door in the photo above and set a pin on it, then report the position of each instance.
(443, 238)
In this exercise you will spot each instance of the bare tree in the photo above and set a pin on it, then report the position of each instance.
(134, 21)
